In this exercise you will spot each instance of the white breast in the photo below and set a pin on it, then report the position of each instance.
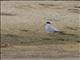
(50, 28)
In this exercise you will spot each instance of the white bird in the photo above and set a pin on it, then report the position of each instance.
(50, 28)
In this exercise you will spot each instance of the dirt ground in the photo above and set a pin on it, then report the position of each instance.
(23, 35)
(68, 58)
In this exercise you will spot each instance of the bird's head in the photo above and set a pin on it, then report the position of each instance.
(48, 22)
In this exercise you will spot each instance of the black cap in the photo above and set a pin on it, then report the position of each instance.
(48, 22)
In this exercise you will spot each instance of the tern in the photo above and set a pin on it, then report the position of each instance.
(50, 28)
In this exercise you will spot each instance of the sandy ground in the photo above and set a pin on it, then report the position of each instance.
(67, 58)
(31, 14)
(23, 35)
